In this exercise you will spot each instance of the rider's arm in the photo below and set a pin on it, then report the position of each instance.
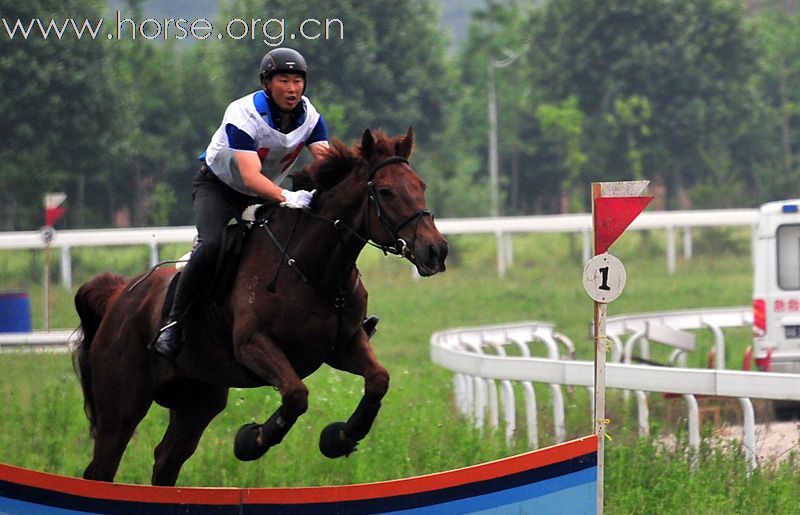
(249, 164)
(317, 141)
(319, 149)
(250, 169)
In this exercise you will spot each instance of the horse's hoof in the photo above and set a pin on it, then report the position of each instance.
(333, 443)
(245, 446)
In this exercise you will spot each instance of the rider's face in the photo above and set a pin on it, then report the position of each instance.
(286, 90)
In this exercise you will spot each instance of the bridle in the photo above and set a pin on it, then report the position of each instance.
(400, 246)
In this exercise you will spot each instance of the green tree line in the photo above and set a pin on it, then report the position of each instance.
(702, 97)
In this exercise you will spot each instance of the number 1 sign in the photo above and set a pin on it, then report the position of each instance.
(604, 277)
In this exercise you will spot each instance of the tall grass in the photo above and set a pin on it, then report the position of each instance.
(418, 430)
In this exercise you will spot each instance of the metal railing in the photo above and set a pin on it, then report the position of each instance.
(54, 341)
(464, 351)
(501, 227)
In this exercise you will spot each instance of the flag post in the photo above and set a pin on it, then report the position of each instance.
(52, 212)
(614, 206)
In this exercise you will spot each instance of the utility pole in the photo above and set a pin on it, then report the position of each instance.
(494, 160)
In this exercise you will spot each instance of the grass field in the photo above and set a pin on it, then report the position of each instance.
(418, 430)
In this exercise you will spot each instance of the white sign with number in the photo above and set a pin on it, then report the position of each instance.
(604, 278)
(47, 234)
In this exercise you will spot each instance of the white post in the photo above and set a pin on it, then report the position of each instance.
(671, 259)
(749, 436)
(600, 314)
(687, 243)
(153, 253)
(47, 287)
(694, 430)
(587, 245)
(501, 254)
(66, 267)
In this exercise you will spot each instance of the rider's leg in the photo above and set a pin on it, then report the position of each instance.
(214, 206)
(370, 325)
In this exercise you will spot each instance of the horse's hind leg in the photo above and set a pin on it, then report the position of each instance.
(357, 357)
(192, 406)
(116, 422)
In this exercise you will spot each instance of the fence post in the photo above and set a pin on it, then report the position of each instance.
(66, 267)
(587, 245)
(671, 259)
(687, 242)
(153, 253)
(501, 254)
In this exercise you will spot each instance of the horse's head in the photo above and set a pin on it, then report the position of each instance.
(384, 197)
(398, 219)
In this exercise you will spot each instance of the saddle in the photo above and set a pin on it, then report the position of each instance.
(227, 266)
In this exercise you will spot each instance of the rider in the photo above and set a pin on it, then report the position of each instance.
(250, 154)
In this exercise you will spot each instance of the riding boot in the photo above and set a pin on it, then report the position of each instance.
(370, 325)
(169, 341)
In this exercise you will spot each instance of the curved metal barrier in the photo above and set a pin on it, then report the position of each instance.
(465, 352)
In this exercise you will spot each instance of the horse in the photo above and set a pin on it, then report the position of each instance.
(297, 302)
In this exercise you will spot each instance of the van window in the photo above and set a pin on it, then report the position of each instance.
(788, 237)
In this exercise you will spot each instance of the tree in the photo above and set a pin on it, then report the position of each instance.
(564, 124)
(776, 133)
(54, 104)
(689, 60)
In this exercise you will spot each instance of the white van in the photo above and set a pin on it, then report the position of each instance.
(776, 288)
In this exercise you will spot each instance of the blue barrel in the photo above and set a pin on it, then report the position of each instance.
(15, 312)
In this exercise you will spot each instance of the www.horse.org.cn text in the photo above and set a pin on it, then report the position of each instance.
(271, 31)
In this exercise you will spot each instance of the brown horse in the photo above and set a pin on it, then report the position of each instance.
(297, 302)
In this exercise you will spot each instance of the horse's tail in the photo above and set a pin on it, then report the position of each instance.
(91, 303)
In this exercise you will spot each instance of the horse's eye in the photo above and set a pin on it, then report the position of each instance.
(385, 193)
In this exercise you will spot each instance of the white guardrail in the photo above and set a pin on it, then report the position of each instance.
(502, 227)
(483, 356)
(53, 341)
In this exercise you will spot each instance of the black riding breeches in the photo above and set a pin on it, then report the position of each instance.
(215, 204)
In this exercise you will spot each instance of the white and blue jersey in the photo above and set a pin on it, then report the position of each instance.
(249, 125)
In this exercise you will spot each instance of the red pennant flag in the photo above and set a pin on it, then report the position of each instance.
(53, 214)
(52, 209)
(612, 215)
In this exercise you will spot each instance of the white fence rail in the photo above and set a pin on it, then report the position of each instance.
(501, 227)
(478, 357)
(55, 341)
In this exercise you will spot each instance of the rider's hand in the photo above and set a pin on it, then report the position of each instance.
(299, 199)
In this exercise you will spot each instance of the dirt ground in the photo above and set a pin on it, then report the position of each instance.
(775, 441)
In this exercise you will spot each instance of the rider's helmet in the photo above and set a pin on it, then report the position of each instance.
(283, 60)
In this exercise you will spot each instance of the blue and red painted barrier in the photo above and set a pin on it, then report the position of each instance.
(557, 479)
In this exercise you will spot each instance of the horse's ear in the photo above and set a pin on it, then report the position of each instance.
(367, 145)
(406, 145)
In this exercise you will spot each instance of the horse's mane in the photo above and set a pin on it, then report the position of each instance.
(325, 173)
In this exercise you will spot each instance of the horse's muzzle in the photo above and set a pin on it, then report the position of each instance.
(429, 255)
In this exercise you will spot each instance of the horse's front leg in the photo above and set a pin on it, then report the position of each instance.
(261, 354)
(341, 438)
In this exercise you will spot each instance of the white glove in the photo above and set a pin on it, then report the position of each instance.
(299, 199)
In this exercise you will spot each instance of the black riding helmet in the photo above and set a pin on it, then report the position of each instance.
(283, 60)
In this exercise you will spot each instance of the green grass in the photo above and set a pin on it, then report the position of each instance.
(418, 430)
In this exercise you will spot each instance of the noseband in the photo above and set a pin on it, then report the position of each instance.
(401, 248)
